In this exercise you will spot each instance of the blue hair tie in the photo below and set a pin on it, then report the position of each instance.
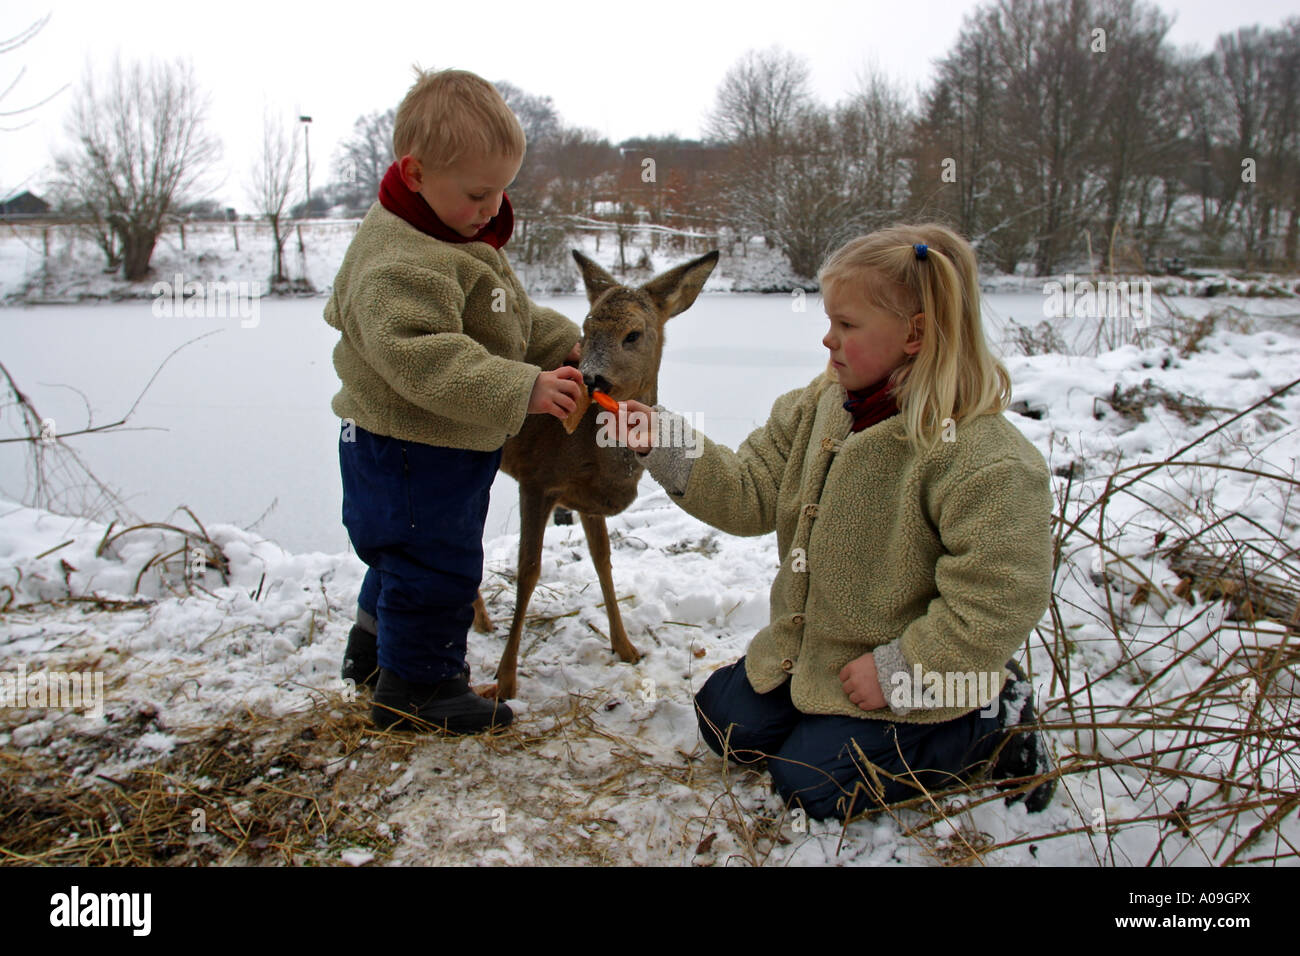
(921, 250)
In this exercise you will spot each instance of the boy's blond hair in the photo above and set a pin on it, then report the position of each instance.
(452, 115)
(954, 375)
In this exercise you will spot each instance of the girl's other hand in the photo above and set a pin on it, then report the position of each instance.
(862, 684)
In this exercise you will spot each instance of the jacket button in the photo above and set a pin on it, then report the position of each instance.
(787, 665)
(831, 444)
(797, 619)
(810, 511)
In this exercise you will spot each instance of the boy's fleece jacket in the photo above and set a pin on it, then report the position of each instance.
(940, 561)
(440, 343)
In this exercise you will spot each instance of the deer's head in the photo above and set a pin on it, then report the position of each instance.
(623, 334)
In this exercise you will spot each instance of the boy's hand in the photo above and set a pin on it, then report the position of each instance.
(635, 426)
(862, 684)
(556, 393)
(575, 354)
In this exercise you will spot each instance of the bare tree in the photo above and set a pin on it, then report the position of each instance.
(273, 184)
(366, 154)
(142, 149)
(537, 114)
(529, 194)
(762, 112)
(759, 97)
(874, 127)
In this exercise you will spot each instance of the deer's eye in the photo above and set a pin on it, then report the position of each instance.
(631, 337)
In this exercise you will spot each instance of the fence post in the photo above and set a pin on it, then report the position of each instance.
(235, 233)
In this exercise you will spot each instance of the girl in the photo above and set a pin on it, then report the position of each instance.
(912, 525)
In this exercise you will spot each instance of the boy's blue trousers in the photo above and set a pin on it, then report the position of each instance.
(814, 758)
(415, 514)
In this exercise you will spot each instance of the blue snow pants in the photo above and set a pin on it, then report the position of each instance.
(812, 757)
(415, 514)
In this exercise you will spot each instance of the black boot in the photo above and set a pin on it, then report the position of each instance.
(361, 658)
(1025, 753)
(449, 706)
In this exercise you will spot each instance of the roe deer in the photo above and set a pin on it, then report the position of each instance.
(622, 344)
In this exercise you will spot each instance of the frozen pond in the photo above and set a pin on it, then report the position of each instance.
(238, 425)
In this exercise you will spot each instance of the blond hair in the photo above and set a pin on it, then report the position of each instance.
(451, 115)
(954, 376)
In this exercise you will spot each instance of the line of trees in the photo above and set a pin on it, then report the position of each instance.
(1052, 129)
(1068, 120)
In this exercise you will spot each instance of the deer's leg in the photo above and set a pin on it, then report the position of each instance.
(482, 623)
(534, 508)
(598, 546)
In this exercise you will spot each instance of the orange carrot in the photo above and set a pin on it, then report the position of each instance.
(604, 401)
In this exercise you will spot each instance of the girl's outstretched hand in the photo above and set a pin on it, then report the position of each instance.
(636, 423)
(862, 684)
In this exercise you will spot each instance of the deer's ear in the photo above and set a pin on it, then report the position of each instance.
(676, 289)
(596, 279)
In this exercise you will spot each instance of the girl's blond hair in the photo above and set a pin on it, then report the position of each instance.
(452, 115)
(954, 376)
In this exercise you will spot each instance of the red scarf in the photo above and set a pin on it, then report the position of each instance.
(411, 206)
(871, 405)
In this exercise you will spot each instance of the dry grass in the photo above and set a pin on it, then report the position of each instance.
(253, 790)
(1133, 402)
(301, 789)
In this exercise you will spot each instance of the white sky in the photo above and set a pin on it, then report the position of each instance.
(621, 67)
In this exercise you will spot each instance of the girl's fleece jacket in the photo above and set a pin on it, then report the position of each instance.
(937, 562)
(440, 343)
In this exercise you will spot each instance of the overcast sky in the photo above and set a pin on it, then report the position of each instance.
(620, 67)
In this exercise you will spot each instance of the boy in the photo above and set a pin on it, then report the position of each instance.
(441, 357)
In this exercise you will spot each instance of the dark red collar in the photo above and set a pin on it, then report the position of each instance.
(871, 405)
(411, 206)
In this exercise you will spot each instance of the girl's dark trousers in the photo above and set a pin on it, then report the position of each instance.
(816, 760)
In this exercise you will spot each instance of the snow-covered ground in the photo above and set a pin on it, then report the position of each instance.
(607, 765)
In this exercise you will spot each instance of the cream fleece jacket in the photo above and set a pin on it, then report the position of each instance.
(938, 561)
(440, 344)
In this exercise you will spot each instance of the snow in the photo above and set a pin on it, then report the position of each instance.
(246, 422)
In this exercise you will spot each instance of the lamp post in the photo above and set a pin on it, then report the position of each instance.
(306, 144)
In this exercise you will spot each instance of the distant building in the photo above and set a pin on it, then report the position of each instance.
(24, 206)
